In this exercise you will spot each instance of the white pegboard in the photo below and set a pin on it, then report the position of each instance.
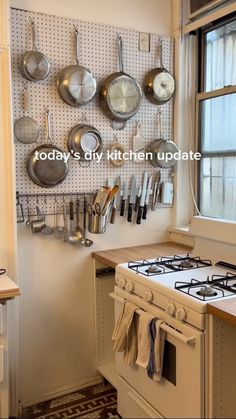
(55, 38)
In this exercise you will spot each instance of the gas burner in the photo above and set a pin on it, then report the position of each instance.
(168, 264)
(207, 291)
(154, 269)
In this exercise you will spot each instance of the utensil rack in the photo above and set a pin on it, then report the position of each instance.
(26, 203)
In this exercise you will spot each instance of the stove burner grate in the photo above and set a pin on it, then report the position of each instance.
(168, 264)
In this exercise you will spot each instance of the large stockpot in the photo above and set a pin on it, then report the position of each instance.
(159, 84)
(34, 65)
(42, 170)
(84, 138)
(76, 84)
(120, 94)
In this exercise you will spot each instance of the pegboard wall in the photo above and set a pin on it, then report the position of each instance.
(98, 52)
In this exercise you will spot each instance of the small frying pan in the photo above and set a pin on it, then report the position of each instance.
(34, 65)
(44, 170)
(76, 84)
(159, 84)
(120, 94)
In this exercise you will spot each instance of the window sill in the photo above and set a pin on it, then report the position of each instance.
(212, 229)
(181, 235)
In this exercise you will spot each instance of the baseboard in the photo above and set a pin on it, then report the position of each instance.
(62, 391)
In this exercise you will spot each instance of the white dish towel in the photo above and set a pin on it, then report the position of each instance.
(143, 339)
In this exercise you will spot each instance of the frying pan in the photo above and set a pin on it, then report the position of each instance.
(34, 65)
(120, 94)
(159, 84)
(26, 129)
(43, 171)
(76, 84)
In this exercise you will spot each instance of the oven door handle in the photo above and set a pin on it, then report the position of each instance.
(187, 340)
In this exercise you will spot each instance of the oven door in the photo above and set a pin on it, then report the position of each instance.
(180, 393)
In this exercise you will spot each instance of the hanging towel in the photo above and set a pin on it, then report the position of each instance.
(143, 339)
(125, 333)
(152, 336)
(157, 345)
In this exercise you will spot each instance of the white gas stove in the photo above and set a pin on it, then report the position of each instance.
(181, 284)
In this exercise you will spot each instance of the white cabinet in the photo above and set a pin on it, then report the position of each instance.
(104, 281)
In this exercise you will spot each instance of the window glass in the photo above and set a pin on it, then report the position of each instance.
(220, 57)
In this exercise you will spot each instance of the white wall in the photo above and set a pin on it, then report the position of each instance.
(57, 343)
(145, 15)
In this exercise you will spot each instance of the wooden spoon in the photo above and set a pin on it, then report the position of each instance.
(110, 197)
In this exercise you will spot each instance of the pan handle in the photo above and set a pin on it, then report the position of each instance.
(160, 52)
(120, 53)
(33, 31)
(160, 122)
(48, 126)
(77, 38)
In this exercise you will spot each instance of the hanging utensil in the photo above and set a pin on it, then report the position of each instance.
(116, 200)
(26, 129)
(86, 242)
(120, 94)
(138, 145)
(156, 190)
(159, 150)
(34, 65)
(85, 140)
(43, 170)
(142, 199)
(159, 84)
(19, 209)
(132, 198)
(58, 230)
(124, 199)
(149, 191)
(76, 84)
(116, 151)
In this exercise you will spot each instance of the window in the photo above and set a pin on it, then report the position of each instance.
(217, 122)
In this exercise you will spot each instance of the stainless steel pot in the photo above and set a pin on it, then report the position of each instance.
(43, 170)
(120, 94)
(159, 148)
(159, 84)
(76, 84)
(82, 139)
(34, 65)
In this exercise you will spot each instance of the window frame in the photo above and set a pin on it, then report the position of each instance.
(202, 95)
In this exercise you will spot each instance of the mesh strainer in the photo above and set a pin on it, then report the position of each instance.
(26, 129)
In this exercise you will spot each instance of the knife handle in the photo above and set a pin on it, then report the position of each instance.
(139, 217)
(145, 212)
(137, 203)
(130, 210)
(113, 215)
(122, 208)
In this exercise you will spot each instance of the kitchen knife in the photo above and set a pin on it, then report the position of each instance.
(116, 200)
(149, 190)
(155, 190)
(143, 196)
(125, 196)
(132, 198)
(138, 197)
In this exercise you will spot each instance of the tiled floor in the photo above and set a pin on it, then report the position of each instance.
(97, 402)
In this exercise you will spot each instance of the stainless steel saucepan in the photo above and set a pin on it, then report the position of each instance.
(34, 65)
(45, 164)
(159, 149)
(76, 84)
(120, 94)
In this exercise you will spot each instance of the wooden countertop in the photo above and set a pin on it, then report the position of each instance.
(8, 288)
(115, 256)
(224, 310)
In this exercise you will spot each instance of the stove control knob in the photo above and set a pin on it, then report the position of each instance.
(148, 296)
(170, 309)
(181, 314)
(122, 283)
(129, 287)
